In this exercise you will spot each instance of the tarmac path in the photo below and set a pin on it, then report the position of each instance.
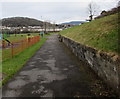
(53, 72)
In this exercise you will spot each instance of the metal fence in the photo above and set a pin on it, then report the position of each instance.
(13, 48)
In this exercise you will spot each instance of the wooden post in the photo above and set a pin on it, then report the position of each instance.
(3, 44)
(12, 51)
(22, 44)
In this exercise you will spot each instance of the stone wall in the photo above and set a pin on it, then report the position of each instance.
(107, 66)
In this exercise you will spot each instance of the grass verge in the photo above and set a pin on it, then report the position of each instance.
(11, 66)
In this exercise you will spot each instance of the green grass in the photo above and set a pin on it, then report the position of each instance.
(18, 36)
(11, 66)
(101, 34)
(6, 53)
(24, 36)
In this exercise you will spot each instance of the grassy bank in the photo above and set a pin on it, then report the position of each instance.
(11, 66)
(101, 34)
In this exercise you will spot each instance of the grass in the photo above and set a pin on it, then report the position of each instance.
(12, 37)
(6, 53)
(101, 34)
(11, 66)
(18, 36)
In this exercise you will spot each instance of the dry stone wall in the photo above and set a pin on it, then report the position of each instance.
(106, 66)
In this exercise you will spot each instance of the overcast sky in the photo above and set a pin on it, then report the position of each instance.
(52, 10)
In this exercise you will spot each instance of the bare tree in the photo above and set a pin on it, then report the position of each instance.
(92, 10)
(118, 3)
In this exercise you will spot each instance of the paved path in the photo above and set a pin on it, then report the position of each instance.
(51, 72)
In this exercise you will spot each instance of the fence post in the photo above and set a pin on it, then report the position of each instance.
(22, 45)
(3, 44)
(27, 43)
(12, 50)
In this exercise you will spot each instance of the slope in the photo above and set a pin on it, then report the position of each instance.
(101, 34)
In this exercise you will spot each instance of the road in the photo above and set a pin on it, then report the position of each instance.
(54, 72)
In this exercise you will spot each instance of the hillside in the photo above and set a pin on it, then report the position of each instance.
(75, 22)
(20, 21)
(110, 12)
(101, 33)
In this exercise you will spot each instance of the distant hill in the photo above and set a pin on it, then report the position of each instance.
(20, 21)
(75, 22)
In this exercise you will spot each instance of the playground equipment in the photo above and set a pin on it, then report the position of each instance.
(4, 41)
(5, 34)
(42, 34)
(18, 46)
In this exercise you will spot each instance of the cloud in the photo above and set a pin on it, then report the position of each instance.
(53, 11)
(57, 0)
